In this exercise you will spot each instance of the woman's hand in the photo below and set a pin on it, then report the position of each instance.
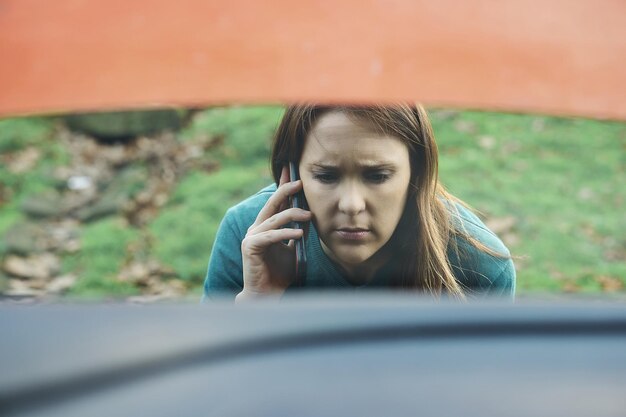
(268, 263)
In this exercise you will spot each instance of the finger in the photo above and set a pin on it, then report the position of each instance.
(258, 243)
(281, 219)
(284, 175)
(284, 179)
(273, 205)
(284, 206)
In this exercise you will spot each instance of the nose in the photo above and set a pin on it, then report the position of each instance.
(351, 199)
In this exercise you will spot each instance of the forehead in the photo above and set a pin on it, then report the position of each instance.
(336, 135)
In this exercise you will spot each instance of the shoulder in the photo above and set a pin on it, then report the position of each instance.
(467, 223)
(243, 214)
(485, 270)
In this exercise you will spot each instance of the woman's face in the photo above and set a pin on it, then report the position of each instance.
(356, 183)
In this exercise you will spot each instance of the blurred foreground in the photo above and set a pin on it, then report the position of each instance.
(371, 355)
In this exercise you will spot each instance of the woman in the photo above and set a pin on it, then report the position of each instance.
(377, 216)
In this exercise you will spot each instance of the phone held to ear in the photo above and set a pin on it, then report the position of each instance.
(298, 200)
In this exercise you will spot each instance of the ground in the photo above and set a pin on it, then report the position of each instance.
(82, 219)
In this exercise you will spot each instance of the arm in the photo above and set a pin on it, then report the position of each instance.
(249, 258)
(504, 284)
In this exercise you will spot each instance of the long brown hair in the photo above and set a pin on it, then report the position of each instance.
(426, 228)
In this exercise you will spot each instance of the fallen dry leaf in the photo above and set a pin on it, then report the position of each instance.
(465, 126)
(615, 254)
(585, 194)
(487, 142)
(609, 284)
(571, 287)
(501, 225)
(35, 267)
(160, 290)
(19, 288)
(538, 124)
(61, 284)
(136, 272)
(510, 239)
(24, 160)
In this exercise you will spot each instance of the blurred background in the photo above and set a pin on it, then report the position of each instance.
(126, 205)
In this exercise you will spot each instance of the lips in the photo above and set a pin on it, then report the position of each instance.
(353, 233)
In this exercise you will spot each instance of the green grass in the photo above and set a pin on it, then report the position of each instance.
(247, 131)
(184, 231)
(19, 134)
(103, 252)
(200, 199)
(562, 179)
(16, 134)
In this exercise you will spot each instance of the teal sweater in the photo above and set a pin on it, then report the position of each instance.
(478, 273)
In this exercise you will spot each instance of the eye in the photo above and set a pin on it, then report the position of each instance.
(377, 177)
(326, 177)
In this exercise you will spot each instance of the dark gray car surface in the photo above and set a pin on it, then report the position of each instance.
(317, 355)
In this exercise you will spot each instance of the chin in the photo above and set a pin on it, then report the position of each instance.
(352, 257)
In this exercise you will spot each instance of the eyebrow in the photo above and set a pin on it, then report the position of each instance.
(366, 165)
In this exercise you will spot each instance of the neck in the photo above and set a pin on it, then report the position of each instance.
(363, 272)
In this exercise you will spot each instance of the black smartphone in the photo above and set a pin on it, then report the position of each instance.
(298, 200)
